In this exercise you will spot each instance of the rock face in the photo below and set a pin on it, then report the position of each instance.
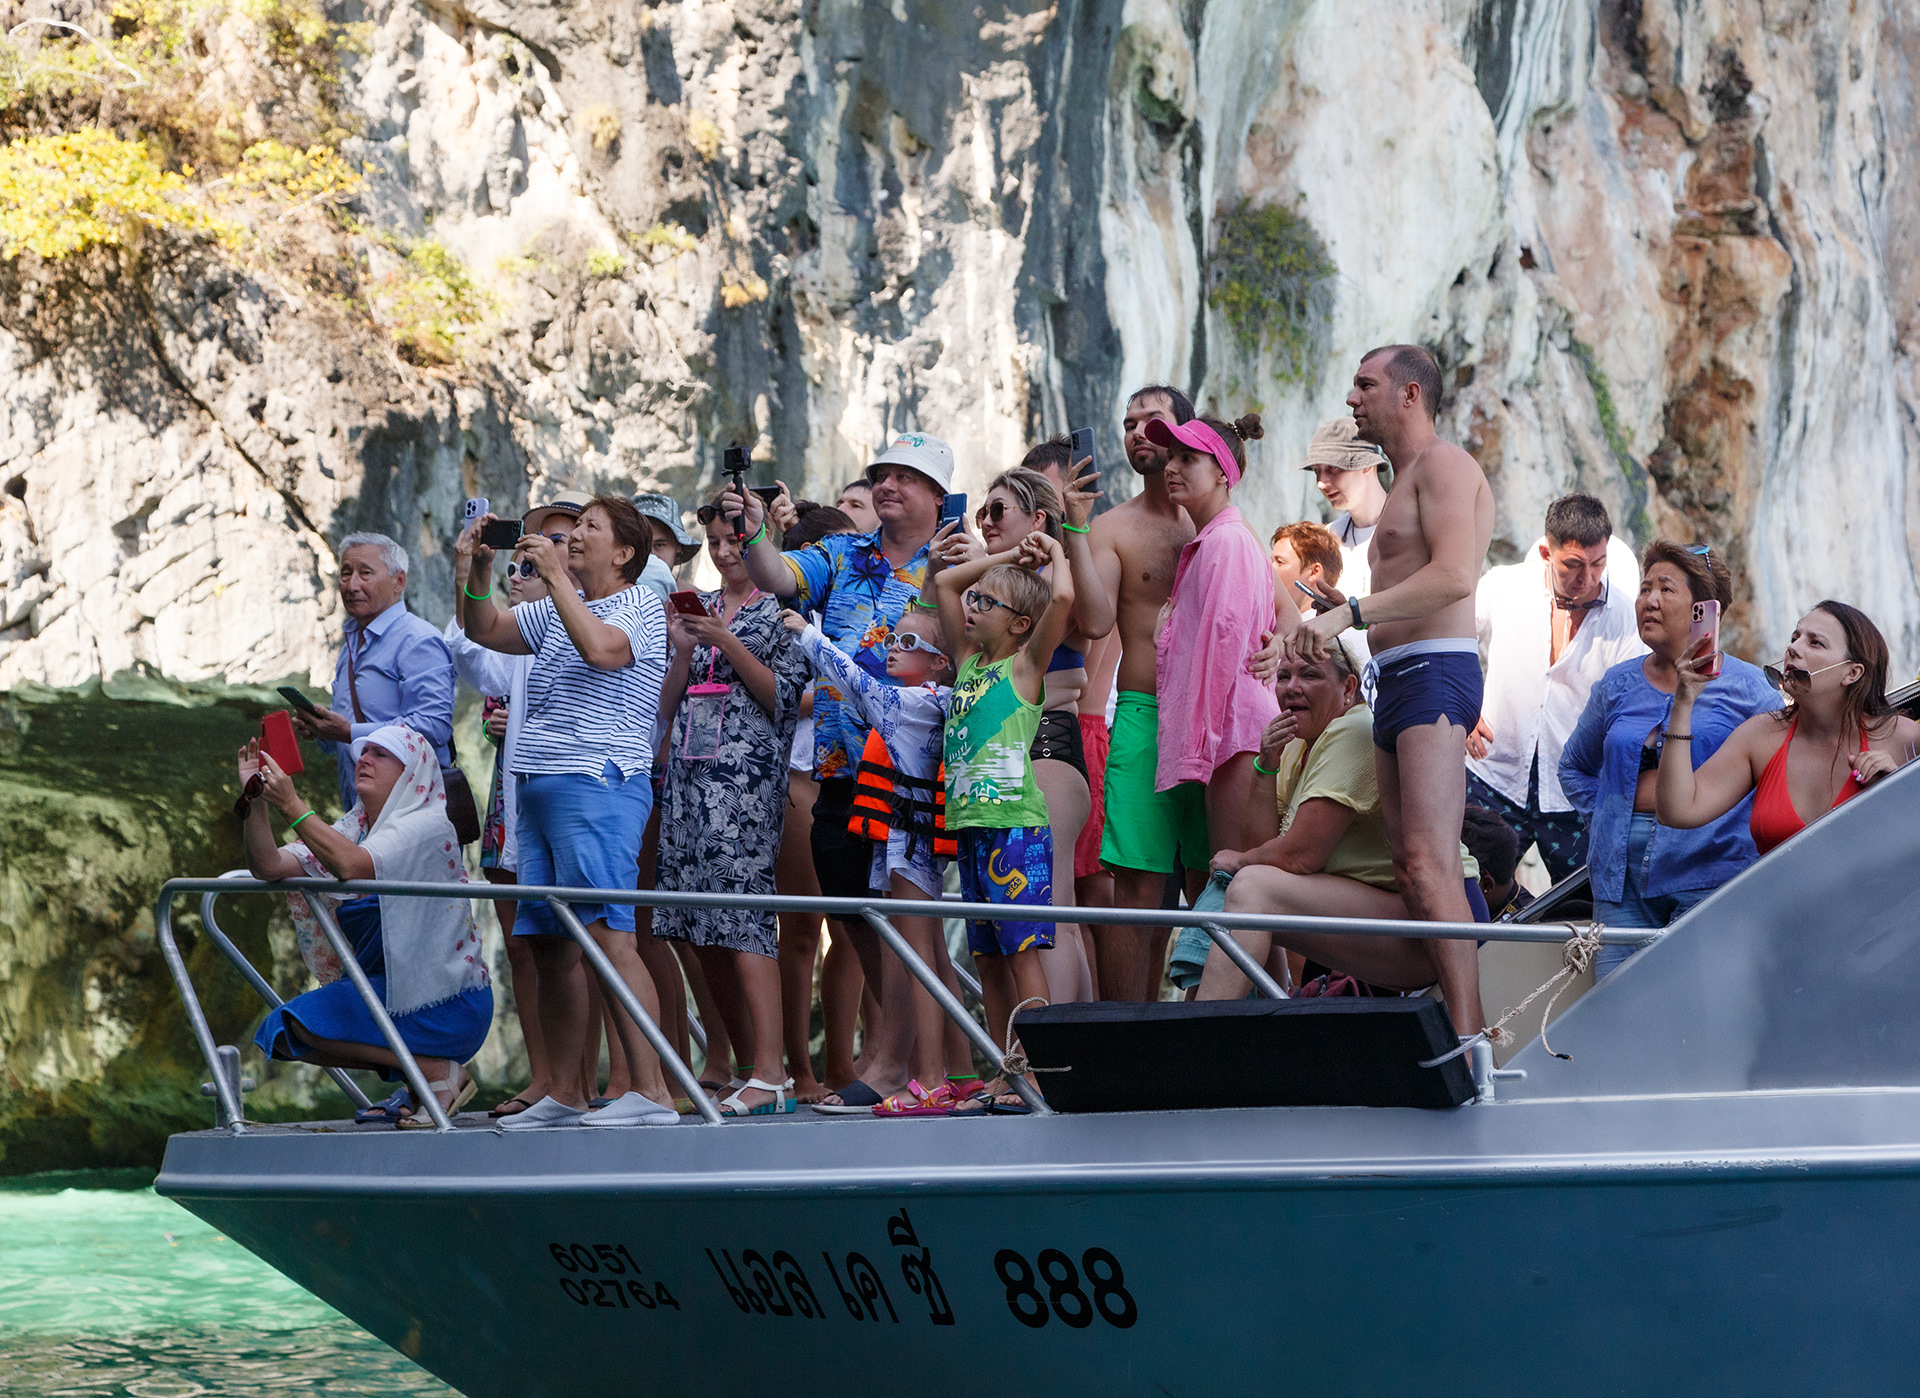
(1666, 252)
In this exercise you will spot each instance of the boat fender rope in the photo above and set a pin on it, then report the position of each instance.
(1576, 960)
(1014, 1063)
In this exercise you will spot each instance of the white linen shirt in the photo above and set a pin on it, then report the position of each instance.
(496, 675)
(1531, 706)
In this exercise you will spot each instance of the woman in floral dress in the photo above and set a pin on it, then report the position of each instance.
(732, 697)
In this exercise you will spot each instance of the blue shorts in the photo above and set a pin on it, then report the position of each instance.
(1007, 866)
(1413, 692)
(577, 831)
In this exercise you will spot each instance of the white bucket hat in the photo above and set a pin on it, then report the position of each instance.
(916, 451)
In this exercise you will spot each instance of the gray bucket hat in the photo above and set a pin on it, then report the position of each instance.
(666, 509)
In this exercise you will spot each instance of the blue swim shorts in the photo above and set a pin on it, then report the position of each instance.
(1414, 691)
(1007, 866)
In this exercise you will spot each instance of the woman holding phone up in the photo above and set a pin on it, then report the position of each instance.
(729, 704)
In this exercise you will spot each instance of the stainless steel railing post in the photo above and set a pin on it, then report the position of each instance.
(956, 1011)
(416, 1080)
(226, 1090)
(259, 982)
(1243, 958)
(615, 986)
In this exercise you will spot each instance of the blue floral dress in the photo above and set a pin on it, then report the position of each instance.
(721, 817)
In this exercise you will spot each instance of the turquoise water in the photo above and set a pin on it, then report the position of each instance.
(109, 1292)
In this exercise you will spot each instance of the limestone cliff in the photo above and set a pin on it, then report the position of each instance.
(1665, 251)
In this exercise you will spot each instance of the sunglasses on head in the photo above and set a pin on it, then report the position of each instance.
(907, 642)
(1704, 552)
(983, 603)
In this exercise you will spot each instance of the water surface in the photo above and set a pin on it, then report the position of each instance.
(109, 1292)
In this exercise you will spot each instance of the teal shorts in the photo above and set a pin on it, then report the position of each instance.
(1146, 828)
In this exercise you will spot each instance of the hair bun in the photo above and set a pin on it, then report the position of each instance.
(1249, 428)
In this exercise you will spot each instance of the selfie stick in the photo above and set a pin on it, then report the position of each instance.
(736, 467)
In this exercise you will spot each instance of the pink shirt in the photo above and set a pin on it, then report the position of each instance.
(1210, 707)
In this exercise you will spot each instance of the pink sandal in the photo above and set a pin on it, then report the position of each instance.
(917, 1101)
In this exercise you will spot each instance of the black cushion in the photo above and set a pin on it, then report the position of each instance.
(1337, 1052)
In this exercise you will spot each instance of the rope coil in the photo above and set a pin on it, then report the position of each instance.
(1576, 960)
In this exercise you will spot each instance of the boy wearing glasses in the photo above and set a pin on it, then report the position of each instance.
(1009, 620)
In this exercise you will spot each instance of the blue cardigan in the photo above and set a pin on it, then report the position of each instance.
(1600, 767)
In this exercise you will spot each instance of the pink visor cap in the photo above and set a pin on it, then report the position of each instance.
(1196, 436)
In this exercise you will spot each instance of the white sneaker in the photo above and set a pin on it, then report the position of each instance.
(632, 1109)
(541, 1115)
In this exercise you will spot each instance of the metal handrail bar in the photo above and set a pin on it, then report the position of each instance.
(957, 1012)
(967, 982)
(614, 985)
(264, 990)
(846, 909)
(1243, 958)
(423, 1097)
(227, 1090)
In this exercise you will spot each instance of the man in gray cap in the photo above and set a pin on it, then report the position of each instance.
(860, 584)
(1347, 470)
(673, 546)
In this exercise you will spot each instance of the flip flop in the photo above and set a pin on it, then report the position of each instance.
(506, 1107)
(856, 1099)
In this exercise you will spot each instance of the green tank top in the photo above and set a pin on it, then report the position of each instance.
(990, 781)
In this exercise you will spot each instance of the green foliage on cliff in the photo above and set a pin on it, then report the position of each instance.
(1272, 278)
(1615, 434)
(429, 302)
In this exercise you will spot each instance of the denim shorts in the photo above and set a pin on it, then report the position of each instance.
(577, 831)
(1635, 908)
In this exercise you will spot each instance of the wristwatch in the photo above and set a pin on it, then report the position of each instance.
(1353, 606)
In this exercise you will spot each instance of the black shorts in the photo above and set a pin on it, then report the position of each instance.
(1059, 738)
(842, 860)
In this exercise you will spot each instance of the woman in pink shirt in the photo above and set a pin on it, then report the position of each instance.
(1212, 712)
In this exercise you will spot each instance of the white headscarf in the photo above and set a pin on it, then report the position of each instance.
(432, 947)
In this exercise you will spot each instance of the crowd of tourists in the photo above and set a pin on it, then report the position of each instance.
(1038, 706)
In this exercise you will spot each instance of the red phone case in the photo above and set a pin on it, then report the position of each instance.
(688, 604)
(277, 741)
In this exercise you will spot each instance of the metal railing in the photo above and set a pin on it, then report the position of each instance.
(875, 912)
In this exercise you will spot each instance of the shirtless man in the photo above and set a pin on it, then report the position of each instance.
(1135, 548)
(1425, 561)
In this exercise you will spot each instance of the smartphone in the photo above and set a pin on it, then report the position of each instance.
(477, 507)
(297, 699)
(278, 742)
(767, 493)
(1081, 450)
(952, 508)
(501, 533)
(1320, 604)
(688, 604)
(1706, 626)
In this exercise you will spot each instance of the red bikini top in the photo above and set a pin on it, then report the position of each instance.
(1774, 819)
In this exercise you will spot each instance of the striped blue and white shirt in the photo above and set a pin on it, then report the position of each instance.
(580, 718)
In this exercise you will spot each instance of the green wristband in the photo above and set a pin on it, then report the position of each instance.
(757, 537)
(477, 596)
(1262, 770)
(296, 822)
(1077, 528)
(924, 606)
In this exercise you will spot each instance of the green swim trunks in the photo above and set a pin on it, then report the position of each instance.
(1145, 827)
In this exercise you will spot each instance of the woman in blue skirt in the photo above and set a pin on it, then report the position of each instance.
(422, 955)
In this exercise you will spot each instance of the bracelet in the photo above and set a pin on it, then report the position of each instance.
(477, 596)
(924, 606)
(757, 537)
(1262, 770)
(1680, 737)
(1077, 528)
(1353, 606)
(295, 825)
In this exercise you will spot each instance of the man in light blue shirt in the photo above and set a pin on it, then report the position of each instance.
(394, 667)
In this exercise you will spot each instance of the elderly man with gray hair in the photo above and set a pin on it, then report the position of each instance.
(394, 667)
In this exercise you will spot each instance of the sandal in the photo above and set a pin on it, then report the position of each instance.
(779, 1106)
(856, 1099)
(389, 1110)
(917, 1101)
(976, 1102)
(507, 1108)
(417, 1121)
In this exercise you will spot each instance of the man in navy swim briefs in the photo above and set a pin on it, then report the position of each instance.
(1425, 560)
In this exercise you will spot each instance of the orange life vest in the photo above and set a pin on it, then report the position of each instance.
(885, 799)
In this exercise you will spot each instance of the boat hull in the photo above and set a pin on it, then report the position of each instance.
(1320, 1251)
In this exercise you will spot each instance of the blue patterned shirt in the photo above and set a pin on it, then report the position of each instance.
(860, 597)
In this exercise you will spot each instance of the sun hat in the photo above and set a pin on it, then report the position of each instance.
(1335, 444)
(666, 509)
(566, 502)
(916, 451)
(1195, 435)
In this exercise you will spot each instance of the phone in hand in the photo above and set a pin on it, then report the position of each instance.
(277, 741)
(1080, 450)
(476, 507)
(298, 700)
(1706, 626)
(1320, 604)
(688, 604)
(501, 533)
(767, 493)
(952, 508)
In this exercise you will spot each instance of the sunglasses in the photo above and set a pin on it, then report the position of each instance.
(992, 512)
(524, 568)
(908, 642)
(982, 603)
(256, 784)
(707, 514)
